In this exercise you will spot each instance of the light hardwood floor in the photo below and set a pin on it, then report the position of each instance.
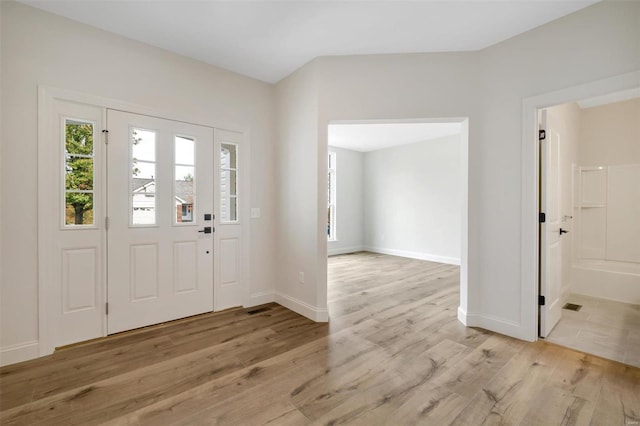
(392, 354)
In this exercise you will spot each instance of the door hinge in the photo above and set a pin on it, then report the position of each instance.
(542, 135)
(105, 132)
(542, 218)
(541, 300)
(106, 308)
(106, 223)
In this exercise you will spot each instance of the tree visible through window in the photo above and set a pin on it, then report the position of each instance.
(331, 198)
(79, 173)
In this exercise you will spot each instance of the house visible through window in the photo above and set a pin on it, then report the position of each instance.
(143, 181)
(331, 204)
(187, 213)
(184, 184)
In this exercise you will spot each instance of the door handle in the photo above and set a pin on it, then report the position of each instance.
(562, 231)
(206, 230)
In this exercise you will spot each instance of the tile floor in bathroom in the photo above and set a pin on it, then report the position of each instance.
(602, 327)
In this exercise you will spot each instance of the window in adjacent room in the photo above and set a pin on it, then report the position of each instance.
(331, 205)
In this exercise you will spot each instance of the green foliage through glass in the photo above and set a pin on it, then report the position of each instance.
(79, 173)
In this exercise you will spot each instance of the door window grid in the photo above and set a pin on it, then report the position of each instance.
(184, 180)
(143, 177)
(331, 198)
(79, 173)
(228, 183)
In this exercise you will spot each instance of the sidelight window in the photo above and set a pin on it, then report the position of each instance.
(228, 182)
(79, 173)
(331, 198)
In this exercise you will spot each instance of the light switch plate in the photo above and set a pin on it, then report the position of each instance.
(255, 212)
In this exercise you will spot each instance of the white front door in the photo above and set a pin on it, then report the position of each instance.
(550, 236)
(160, 203)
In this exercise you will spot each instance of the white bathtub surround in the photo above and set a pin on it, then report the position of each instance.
(608, 233)
(602, 327)
(607, 203)
(617, 281)
(608, 208)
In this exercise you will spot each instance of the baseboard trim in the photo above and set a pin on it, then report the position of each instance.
(344, 250)
(20, 352)
(462, 315)
(260, 298)
(302, 308)
(495, 324)
(414, 255)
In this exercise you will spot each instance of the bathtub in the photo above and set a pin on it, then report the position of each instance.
(619, 281)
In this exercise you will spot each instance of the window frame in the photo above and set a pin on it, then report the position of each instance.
(332, 234)
(235, 197)
(155, 179)
(194, 220)
(63, 178)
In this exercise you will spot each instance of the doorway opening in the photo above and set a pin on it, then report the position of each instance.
(396, 188)
(589, 235)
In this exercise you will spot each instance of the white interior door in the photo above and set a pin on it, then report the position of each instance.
(160, 202)
(550, 230)
(230, 290)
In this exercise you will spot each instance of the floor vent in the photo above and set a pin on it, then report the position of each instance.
(572, 307)
(258, 311)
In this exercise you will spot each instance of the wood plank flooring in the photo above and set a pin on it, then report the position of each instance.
(392, 354)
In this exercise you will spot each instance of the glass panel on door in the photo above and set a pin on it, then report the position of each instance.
(184, 179)
(78, 173)
(143, 177)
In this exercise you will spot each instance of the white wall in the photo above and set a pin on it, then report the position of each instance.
(302, 227)
(610, 134)
(349, 202)
(565, 119)
(39, 48)
(412, 200)
(488, 87)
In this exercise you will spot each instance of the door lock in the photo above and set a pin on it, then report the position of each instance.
(562, 231)
(206, 230)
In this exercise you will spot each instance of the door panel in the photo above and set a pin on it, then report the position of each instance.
(229, 261)
(79, 279)
(159, 188)
(230, 289)
(185, 266)
(550, 241)
(143, 262)
(71, 211)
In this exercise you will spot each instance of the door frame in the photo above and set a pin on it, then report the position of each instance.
(46, 97)
(463, 314)
(530, 163)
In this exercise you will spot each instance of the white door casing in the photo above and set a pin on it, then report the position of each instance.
(230, 289)
(161, 269)
(72, 261)
(550, 236)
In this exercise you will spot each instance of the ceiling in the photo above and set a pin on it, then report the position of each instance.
(373, 136)
(268, 40)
